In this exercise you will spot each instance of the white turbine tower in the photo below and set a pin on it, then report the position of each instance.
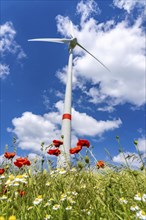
(64, 157)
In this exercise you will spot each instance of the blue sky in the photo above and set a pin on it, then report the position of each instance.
(33, 74)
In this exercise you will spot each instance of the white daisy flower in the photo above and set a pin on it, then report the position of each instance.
(138, 197)
(73, 170)
(134, 208)
(47, 217)
(62, 171)
(141, 215)
(38, 200)
(71, 200)
(123, 200)
(25, 175)
(20, 178)
(48, 183)
(15, 184)
(2, 176)
(68, 208)
(74, 193)
(63, 197)
(3, 197)
(53, 172)
(8, 182)
(56, 207)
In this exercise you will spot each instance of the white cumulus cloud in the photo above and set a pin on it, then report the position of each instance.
(142, 144)
(32, 129)
(106, 109)
(8, 45)
(132, 159)
(86, 8)
(129, 5)
(4, 70)
(84, 124)
(119, 46)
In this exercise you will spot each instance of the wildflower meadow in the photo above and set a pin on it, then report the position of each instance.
(88, 189)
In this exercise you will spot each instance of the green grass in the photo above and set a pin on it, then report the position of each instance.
(90, 195)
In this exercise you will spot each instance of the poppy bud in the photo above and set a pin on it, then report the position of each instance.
(87, 159)
(45, 172)
(142, 167)
(80, 165)
(136, 142)
(7, 167)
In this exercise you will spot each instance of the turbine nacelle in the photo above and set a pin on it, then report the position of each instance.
(73, 43)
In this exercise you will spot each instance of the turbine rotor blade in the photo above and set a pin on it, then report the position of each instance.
(72, 30)
(93, 57)
(54, 40)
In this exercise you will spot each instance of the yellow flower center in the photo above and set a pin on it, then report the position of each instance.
(143, 212)
(139, 195)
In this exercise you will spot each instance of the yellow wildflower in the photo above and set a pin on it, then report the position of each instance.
(19, 176)
(12, 217)
(11, 177)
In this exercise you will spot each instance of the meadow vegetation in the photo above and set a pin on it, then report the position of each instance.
(83, 192)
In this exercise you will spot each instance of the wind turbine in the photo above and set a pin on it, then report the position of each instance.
(64, 157)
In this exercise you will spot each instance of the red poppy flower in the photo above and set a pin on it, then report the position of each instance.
(21, 193)
(9, 155)
(18, 164)
(55, 152)
(22, 161)
(57, 143)
(76, 150)
(2, 171)
(83, 143)
(100, 164)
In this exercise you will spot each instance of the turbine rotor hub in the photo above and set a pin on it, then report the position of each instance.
(73, 43)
